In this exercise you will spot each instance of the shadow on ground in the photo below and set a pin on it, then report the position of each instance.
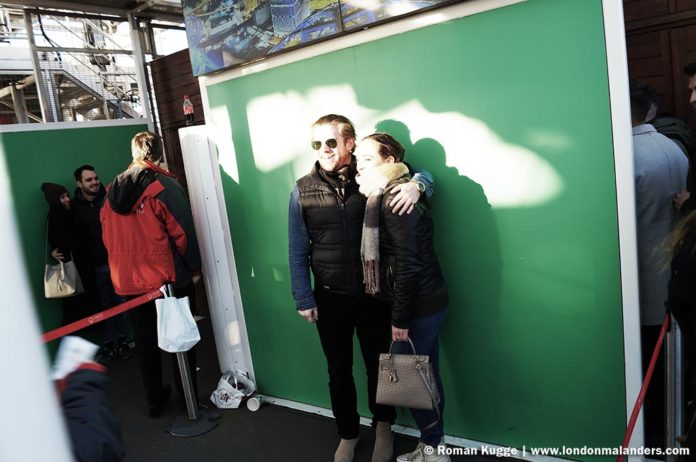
(273, 433)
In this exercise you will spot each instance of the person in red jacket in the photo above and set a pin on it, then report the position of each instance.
(147, 228)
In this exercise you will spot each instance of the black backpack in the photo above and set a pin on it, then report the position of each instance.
(677, 130)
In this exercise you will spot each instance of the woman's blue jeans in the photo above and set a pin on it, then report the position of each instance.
(425, 335)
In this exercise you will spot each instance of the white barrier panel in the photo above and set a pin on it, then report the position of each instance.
(212, 228)
(32, 425)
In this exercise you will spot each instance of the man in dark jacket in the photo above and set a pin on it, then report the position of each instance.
(684, 201)
(89, 197)
(324, 232)
(149, 235)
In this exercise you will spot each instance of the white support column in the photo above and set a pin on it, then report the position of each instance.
(46, 112)
(617, 66)
(140, 71)
(215, 241)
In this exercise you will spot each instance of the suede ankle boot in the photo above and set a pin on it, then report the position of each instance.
(345, 450)
(384, 443)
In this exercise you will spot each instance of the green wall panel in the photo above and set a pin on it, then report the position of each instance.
(35, 157)
(533, 346)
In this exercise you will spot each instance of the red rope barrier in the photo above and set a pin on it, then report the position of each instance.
(644, 388)
(99, 317)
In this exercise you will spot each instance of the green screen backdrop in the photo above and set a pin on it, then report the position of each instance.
(532, 350)
(35, 157)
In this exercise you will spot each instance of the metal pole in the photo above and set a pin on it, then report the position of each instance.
(18, 103)
(40, 87)
(105, 97)
(680, 403)
(54, 101)
(673, 388)
(140, 71)
(197, 424)
(185, 371)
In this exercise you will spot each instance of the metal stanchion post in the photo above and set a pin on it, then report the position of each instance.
(185, 371)
(197, 423)
(674, 415)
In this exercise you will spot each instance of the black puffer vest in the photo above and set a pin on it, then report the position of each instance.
(335, 231)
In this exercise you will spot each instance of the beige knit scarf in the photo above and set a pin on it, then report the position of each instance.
(372, 183)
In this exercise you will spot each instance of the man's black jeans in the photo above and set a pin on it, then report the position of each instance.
(340, 316)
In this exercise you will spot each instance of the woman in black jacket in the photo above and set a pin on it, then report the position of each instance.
(62, 239)
(400, 266)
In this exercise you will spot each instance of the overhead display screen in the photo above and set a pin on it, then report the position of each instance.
(228, 33)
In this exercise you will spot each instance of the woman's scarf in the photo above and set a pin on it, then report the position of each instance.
(372, 183)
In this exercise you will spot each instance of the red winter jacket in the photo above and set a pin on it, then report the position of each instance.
(147, 228)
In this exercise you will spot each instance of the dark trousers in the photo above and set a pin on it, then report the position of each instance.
(150, 356)
(654, 407)
(425, 335)
(340, 316)
(115, 328)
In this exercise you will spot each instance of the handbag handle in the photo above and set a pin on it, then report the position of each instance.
(413, 348)
(434, 394)
(46, 246)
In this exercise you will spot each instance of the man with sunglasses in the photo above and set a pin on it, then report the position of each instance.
(325, 230)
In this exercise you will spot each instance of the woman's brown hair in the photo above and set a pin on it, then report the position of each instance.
(388, 146)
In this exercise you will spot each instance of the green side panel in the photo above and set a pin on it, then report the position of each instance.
(532, 351)
(51, 156)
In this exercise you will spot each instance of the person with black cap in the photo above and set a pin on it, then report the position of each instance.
(62, 237)
(59, 222)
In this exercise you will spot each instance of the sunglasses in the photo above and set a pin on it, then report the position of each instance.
(331, 142)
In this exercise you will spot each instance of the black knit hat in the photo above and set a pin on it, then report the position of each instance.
(52, 192)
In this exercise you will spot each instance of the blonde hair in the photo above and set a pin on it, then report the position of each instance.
(146, 146)
(680, 234)
(345, 127)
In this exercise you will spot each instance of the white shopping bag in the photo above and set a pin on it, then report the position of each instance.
(176, 329)
(233, 387)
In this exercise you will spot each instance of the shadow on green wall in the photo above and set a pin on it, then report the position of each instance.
(533, 344)
(470, 257)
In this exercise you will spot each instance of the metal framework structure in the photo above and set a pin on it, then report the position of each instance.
(74, 70)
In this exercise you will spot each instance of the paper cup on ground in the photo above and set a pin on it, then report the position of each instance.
(254, 403)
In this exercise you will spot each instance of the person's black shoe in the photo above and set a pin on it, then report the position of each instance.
(156, 410)
(124, 350)
(106, 355)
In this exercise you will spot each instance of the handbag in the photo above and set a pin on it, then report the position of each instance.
(407, 380)
(61, 280)
(177, 331)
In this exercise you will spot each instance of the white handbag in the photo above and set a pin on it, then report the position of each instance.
(61, 280)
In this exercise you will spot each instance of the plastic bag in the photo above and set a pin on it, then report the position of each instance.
(233, 387)
(176, 329)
